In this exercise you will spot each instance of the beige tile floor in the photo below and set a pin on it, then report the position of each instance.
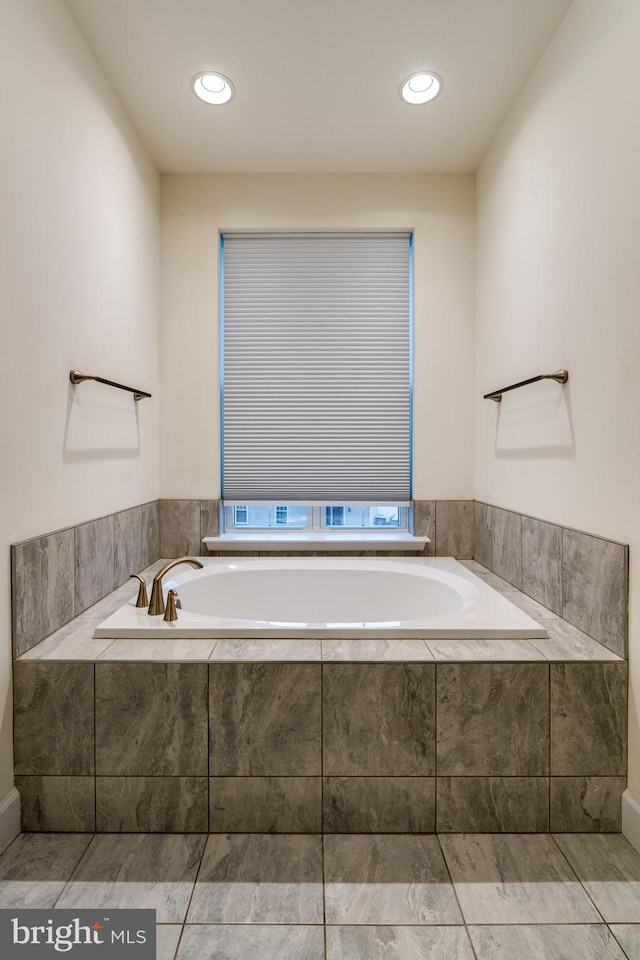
(347, 897)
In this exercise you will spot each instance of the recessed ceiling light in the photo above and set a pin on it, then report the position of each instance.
(421, 87)
(213, 87)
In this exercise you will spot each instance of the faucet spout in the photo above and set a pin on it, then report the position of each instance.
(156, 606)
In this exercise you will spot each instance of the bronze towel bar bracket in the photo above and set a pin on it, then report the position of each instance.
(76, 378)
(560, 376)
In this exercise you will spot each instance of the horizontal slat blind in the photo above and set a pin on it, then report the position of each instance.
(316, 398)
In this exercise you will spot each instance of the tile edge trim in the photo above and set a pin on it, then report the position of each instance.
(631, 819)
(9, 818)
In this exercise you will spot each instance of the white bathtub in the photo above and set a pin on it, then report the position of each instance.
(348, 597)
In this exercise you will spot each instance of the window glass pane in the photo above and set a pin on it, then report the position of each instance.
(240, 516)
(292, 516)
(363, 517)
(334, 516)
(261, 517)
(384, 517)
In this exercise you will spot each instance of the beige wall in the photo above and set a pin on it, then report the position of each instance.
(440, 209)
(557, 265)
(78, 288)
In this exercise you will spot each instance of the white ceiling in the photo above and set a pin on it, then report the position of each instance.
(317, 80)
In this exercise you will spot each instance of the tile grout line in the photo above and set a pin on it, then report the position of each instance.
(195, 880)
(435, 529)
(322, 833)
(575, 873)
(177, 947)
(562, 574)
(540, 923)
(95, 755)
(455, 893)
(617, 942)
(549, 797)
(520, 587)
(208, 666)
(324, 897)
(435, 752)
(77, 864)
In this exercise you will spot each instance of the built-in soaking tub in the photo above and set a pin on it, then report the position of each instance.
(345, 597)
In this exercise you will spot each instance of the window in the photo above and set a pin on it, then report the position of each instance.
(316, 377)
(293, 516)
(265, 517)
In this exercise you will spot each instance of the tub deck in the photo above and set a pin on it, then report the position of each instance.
(564, 642)
(321, 734)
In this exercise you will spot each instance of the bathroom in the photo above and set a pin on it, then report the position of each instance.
(524, 262)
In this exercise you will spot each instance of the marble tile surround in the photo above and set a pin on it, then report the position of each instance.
(60, 804)
(493, 719)
(577, 576)
(151, 804)
(448, 524)
(68, 571)
(541, 565)
(94, 579)
(493, 804)
(151, 719)
(60, 784)
(42, 569)
(265, 804)
(379, 804)
(378, 720)
(308, 747)
(265, 719)
(53, 719)
(71, 570)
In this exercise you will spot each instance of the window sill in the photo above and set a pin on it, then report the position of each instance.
(235, 542)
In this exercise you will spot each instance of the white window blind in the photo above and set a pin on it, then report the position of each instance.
(316, 367)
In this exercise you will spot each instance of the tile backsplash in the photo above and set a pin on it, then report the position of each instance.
(578, 576)
(541, 563)
(43, 580)
(183, 524)
(57, 576)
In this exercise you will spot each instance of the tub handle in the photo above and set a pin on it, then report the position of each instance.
(170, 613)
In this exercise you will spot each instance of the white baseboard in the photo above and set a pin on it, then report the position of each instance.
(9, 818)
(631, 819)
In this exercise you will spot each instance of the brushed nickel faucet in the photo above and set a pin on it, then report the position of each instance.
(142, 600)
(156, 607)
